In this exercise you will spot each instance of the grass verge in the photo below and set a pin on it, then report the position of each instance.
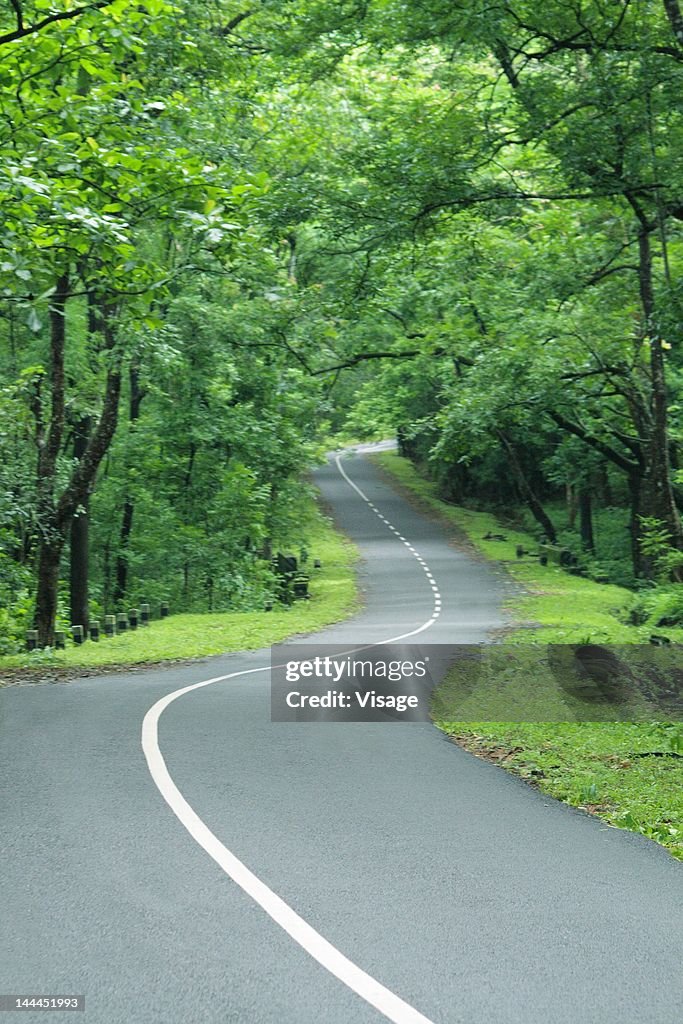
(629, 774)
(183, 637)
(552, 606)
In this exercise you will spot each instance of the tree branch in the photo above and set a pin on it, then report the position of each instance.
(628, 465)
(231, 25)
(473, 200)
(599, 275)
(21, 31)
(19, 13)
(364, 356)
(403, 322)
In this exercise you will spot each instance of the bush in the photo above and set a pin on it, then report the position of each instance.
(659, 606)
(16, 605)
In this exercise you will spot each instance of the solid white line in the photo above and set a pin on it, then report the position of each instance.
(368, 988)
(374, 993)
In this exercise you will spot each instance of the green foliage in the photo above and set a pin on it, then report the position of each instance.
(658, 606)
(127, 173)
(460, 225)
(656, 543)
(182, 635)
(15, 601)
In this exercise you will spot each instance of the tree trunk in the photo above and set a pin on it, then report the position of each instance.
(47, 589)
(634, 469)
(657, 498)
(79, 569)
(586, 520)
(136, 396)
(80, 549)
(49, 443)
(55, 516)
(122, 557)
(673, 13)
(572, 505)
(527, 492)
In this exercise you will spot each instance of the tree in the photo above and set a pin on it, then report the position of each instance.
(79, 159)
(511, 109)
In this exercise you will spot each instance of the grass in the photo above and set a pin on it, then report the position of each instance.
(180, 637)
(625, 773)
(630, 774)
(555, 607)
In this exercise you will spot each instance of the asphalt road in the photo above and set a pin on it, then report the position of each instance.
(308, 872)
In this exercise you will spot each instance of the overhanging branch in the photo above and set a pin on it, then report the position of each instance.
(22, 30)
(615, 456)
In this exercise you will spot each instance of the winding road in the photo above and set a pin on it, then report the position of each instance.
(214, 866)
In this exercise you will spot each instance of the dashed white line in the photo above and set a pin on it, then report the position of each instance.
(383, 518)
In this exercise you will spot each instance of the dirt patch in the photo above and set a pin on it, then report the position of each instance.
(487, 751)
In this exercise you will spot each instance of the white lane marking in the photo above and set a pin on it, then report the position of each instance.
(367, 501)
(364, 985)
(374, 993)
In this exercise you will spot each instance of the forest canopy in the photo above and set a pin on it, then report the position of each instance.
(229, 232)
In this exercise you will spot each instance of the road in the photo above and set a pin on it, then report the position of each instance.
(352, 873)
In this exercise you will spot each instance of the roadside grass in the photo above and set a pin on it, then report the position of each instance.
(554, 607)
(185, 636)
(623, 772)
(630, 774)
